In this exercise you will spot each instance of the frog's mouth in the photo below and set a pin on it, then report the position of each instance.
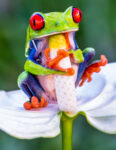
(58, 32)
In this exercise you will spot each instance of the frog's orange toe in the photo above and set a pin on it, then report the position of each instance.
(70, 71)
(34, 102)
(103, 60)
(27, 106)
(43, 102)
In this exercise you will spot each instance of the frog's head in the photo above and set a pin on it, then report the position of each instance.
(45, 24)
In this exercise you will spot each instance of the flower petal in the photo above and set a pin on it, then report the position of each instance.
(17, 122)
(105, 124)
(89, 91)
(99, 91)
(101, 110)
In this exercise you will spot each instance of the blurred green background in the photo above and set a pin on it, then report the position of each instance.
(97, 29)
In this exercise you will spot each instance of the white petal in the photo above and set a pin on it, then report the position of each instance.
(101, 110)
(89, 91)
(105, 124)
(99, 91)
(27, 124)
(104, 117)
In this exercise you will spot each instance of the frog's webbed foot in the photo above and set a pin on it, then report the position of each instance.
(54, 63)
(34, 103)
(95, 67)
(60, 55)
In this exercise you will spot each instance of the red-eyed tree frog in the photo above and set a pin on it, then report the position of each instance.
(37, 79)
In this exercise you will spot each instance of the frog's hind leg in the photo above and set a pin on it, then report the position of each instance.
(32, 88)
(23, 83)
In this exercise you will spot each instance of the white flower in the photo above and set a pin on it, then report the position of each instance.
(96, 100)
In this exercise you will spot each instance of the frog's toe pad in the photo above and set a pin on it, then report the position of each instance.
(43, 102)
(34, 102)
(27, 105)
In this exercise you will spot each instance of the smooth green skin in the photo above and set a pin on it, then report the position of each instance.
(37, 69)
(22, 77)
(78, 55)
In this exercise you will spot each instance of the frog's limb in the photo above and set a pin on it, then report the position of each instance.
(94, 67)
(60, 55)
(34, 67)
(29, 84)
(88, 54)
(40, 70)
(32, 88)
(54, 63)
(77, 55)
(67, 40)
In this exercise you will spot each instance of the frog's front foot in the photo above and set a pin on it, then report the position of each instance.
(34, 103)
(95, 67)
(60, 55)
(54, 63)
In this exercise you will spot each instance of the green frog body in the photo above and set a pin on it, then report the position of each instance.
(37, 79)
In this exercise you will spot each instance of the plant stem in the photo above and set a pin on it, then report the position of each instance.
(67, 128)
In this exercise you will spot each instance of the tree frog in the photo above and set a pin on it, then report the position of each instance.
(37, 79)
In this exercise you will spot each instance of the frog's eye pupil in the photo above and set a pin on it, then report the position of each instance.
(36, 21)
(77, 15)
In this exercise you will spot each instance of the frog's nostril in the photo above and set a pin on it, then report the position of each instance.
(56, 24)
(66, 22)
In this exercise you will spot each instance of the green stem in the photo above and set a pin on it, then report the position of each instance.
(67, 128)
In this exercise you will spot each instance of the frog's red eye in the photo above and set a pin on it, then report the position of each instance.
(77, 15)
(36, 22)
